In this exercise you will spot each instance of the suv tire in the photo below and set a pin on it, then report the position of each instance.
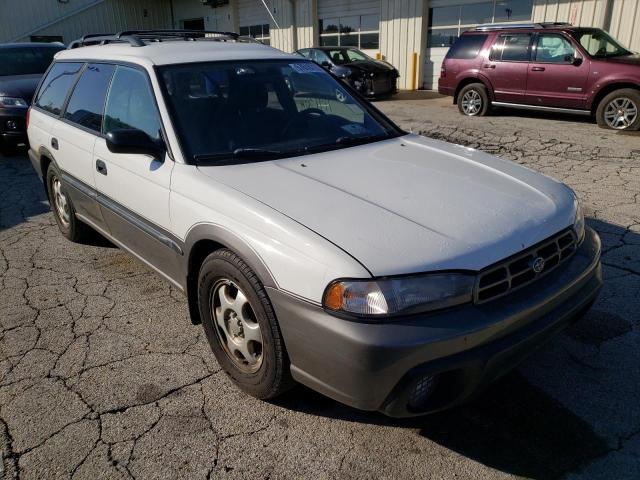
(620, 110)
(241, 326)
(62, 207)
(473, 100)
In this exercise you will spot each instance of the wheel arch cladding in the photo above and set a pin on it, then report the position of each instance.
(46, 159)
(468, 81)
(607, 89)
(204, 239)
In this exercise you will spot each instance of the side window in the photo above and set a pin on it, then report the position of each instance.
(86, 105)
(56, 85)
(321, 57)
(131, 103)
(512, 47)
(553, 48)
(467, 47)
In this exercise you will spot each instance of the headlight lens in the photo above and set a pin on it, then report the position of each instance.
(578, 223)
(398, 295)
(12, 102)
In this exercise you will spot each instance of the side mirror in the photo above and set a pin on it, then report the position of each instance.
(132, 140)
(326, 64)
(576, 61)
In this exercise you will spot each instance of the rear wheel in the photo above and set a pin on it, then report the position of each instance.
(241, 326)
(63, 211)
(473, 100)
(620, 110)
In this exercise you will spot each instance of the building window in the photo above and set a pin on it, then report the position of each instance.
(360, 31)
(259, 32)
(447, 23)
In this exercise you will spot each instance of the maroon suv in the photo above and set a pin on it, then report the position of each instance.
(553, 67)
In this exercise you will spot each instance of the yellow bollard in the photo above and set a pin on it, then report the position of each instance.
(414, 69)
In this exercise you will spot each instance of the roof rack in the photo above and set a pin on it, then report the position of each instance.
(137, 38)
(504, 26)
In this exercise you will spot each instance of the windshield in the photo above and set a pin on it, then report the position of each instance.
(26, 60)
(599, 44)
(263, 109)
(342, 56)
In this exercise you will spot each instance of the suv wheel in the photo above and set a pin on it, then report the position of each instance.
(241, 326)
(620, 110)
(473, 100)
(63, 211)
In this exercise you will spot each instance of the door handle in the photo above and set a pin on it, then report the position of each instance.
(537, 69)
(54, 143)
(488, 65)
(101, 167)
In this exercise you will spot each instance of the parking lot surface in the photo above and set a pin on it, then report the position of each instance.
(103, 376)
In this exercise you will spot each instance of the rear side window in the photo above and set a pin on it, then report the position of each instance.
(467, 47)
(55, 87)
(86, 105)
(512, 47)
(131, 103)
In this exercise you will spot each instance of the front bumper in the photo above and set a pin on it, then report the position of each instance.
(376, 366)
(13, 128)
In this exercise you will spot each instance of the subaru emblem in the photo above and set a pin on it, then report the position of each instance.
(538, 265)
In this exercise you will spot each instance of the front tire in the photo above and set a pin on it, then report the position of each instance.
(620, 110)
(241, 326)
(473, 100)
(62, 207)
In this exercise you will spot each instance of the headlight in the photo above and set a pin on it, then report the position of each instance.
(12, 102)
(398, 295)
(578, 223)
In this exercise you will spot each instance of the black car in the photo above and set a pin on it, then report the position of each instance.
(21, 66)
(370, 77)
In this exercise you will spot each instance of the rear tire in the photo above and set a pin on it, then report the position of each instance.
(241, 326)
(473, 100)
(62, 207)
(620, 110)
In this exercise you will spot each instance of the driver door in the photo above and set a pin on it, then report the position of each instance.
(558, 73)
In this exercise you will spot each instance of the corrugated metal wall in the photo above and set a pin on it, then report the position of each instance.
(306, 22)
(79, 17)
(337, 8)
(402, 33)
(221, 18)
(252, 12)
(625, 23)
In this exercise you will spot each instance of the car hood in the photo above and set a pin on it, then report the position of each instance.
(410, 204)
(370, 66)
(633, 59)
(20, 86)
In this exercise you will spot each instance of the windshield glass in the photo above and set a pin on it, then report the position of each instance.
(26, 60)
(265, 108)
(341, 56)
(599, 44)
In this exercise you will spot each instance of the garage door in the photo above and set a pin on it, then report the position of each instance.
(447, 20)
(352, 23)
(254, 20)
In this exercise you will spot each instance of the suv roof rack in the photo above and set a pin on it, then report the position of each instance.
(505, 26)
(137, 38)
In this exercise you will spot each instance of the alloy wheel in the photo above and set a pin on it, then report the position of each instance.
(620, 113)
(237, 327)
(60, 202)
(471, 103)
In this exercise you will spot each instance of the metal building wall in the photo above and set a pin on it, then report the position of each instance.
(79, 17)
(625, 23)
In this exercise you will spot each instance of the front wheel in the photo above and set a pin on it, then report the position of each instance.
(241, 326)
(619, 110)
(473, 100)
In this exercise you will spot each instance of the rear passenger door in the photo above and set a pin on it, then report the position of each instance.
(73, 137)
(508, 65)
(133, 189)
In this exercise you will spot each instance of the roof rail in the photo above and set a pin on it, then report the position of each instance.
(506, 26)
(136, 38)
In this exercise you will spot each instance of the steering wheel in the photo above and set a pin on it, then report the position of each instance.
(308, 112)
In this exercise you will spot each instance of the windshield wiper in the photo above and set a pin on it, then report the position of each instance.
(240, 154)
(358, 140)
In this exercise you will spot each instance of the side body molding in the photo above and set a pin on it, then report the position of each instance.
(217, 234)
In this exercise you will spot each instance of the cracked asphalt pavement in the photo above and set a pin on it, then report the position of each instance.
(103, 376)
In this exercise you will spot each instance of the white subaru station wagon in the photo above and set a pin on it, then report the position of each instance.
(315, 241)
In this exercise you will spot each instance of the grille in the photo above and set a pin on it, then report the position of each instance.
(518, 271)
